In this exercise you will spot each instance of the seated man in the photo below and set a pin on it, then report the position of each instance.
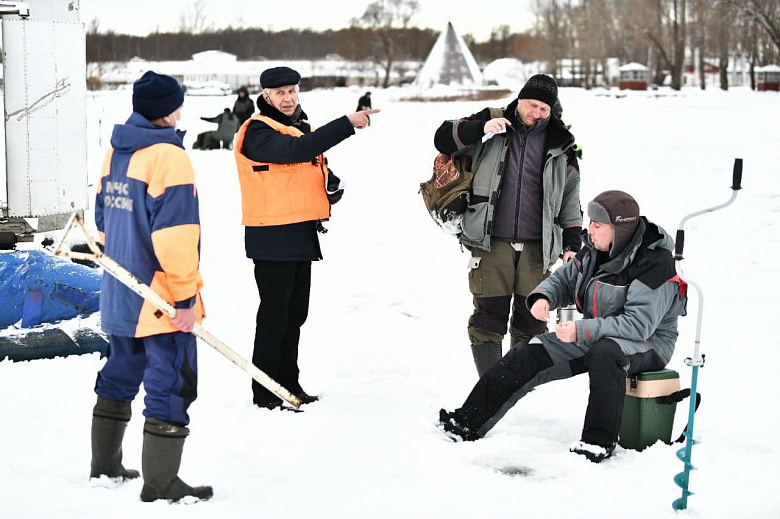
(624, 283)
(227, 126)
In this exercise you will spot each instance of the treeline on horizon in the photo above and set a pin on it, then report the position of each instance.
(665, 35)
(356, 44)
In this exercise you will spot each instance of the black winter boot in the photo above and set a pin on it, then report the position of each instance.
(109, 421)
(502, 386)
(306, 398)
(161, 459)
(453, 427)
(485, 356)
(594, 453)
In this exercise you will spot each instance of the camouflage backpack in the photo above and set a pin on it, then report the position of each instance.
(446, 194)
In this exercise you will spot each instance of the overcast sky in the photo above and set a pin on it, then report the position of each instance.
(141, 17)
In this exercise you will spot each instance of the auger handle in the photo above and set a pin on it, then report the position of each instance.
(679, 243)
(736, 183)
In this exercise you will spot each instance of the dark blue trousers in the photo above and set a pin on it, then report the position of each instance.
(167, 364)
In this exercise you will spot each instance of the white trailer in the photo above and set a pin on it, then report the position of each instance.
(44, 64)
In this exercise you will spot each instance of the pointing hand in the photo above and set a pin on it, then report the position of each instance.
(359, 119)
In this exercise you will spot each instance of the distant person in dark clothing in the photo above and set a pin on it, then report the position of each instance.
(364, 103)
(226, 129)
(244, 107)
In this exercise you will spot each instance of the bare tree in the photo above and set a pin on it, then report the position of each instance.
(389, 20)
(499, 40)
(593, 35)
(552, 27)
(669, 37)
(719, 32)
(765, 13)
(93, 27)
(664, 24)
(699, 25)
(193, 20)
(755, 27)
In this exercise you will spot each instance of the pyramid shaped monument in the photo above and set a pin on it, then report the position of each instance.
(449, 63)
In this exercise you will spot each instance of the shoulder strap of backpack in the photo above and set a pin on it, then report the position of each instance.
(494, 112)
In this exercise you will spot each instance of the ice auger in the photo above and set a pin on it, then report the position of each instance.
(697, 360)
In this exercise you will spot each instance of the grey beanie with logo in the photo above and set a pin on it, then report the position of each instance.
(620, 210)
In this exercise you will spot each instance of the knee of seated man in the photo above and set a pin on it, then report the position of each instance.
(525, 360)
(606, 350)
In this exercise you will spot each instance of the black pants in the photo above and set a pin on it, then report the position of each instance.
(283, 287)
(608, 368)
(528, 365)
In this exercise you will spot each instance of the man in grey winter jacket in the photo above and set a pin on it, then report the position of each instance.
(523, 213)
(624, 283)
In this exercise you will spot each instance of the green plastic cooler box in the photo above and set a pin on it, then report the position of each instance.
(645, 421)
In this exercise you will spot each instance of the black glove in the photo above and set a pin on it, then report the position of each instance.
(332, 188)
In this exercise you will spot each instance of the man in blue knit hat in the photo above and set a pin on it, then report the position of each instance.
(146, 211)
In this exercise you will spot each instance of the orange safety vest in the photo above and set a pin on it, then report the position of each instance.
(279, 194)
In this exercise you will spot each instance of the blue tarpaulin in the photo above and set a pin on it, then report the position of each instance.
(36, 287)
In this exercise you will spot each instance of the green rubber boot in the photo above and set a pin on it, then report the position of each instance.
(109, 421)
(485, 355)
(161, 459)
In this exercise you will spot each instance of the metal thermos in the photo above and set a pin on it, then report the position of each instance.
(567, 313)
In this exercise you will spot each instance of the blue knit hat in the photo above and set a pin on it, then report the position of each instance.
(156, 95)
(279, 76)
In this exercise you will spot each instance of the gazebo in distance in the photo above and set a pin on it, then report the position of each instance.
(768, 78)
(633, 76)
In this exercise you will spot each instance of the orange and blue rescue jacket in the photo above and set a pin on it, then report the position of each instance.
(146, 211)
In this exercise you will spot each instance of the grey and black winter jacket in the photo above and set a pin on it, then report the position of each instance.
(562, 215)
(633, 299)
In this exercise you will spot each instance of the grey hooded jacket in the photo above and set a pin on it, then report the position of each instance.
(633, 299)
(560, 180)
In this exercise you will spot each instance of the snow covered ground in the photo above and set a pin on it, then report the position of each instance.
(385, 344)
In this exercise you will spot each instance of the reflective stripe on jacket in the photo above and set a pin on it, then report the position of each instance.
(279, 194)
